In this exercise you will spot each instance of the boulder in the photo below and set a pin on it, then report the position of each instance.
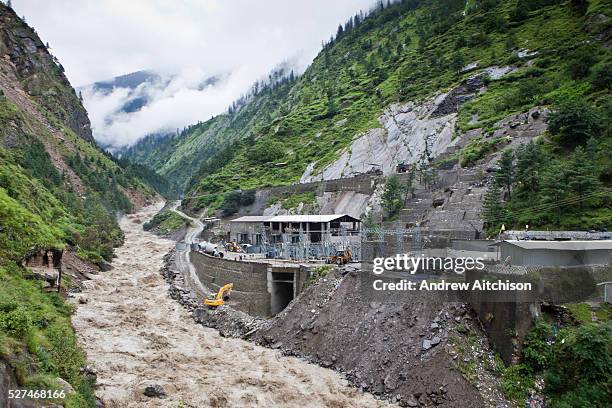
(64, 385)
(155, 391)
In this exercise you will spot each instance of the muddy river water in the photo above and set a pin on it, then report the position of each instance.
(135, 335)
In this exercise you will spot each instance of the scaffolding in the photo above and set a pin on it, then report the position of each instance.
(372, 242)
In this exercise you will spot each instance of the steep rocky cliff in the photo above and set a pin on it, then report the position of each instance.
(40, 74)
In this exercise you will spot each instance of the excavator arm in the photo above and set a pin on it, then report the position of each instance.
(221, 296)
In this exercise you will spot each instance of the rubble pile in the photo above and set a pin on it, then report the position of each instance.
(396, 350)
(227, 320)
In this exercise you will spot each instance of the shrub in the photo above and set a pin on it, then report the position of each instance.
(601, 77)
(64, 352)
(575, 121)
(537, 352)
(265, 151)
(16, 322)
(476, 149)
(581, 367)
(516, 381)
(319, 272)
(580, 64)
(236, 199)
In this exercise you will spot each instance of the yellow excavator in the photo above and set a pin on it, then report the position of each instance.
(341, 257)
(221, 297)
(233, 247)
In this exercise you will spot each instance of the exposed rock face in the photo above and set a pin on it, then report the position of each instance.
(9, 382)
(410, 131)
(22, 51)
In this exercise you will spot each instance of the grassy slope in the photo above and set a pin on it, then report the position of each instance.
(166, 222)
(399, 54)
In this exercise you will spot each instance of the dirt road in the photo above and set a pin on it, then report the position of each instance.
(135, 336)
(183, 263)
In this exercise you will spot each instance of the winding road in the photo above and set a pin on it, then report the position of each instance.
(135, 336)
(181, 259)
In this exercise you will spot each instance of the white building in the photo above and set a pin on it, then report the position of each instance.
(556, 253)
(257, 230)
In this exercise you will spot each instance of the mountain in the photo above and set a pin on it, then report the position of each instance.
(58, 191)
(116, 103)
(429, 84)
(179, 156)
(130, 81)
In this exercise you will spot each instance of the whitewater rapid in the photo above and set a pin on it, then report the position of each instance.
(135, 335)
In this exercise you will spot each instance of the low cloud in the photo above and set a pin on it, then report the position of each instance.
(172, 102)
(98, 40)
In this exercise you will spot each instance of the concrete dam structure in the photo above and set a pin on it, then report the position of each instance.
(260, 289)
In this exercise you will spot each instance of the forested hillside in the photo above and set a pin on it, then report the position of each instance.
(57, 190)
(179, 157)
(553, 54)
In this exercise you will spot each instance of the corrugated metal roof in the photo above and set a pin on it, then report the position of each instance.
(293, 218)
(309, 218)
(563, 245)
(252, 218)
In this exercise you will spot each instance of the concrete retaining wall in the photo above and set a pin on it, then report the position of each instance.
(250, 279)
(255, 284)
(363, 184)
(507, 322)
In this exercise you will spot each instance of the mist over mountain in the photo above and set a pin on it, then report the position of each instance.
(128, 107)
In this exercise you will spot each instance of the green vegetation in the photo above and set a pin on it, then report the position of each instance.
(166, 222)
(476, 150)
(394, 197)
(581, 368)
(290, 201)
(576, 362)
(44, 205)
(550, 186)
(411, 50)
(35, 331)
(516, 382)
(235, 199)
(320, 271)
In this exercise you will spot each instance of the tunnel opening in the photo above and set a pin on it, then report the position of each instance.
(282, 285)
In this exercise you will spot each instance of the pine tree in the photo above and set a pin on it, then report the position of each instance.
(582, 177)
(530, 160)
(504, 175)
(457, 61)
(493, 210)
(393, 197)
(554, 190)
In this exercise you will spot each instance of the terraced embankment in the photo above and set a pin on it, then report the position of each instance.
(136, 336)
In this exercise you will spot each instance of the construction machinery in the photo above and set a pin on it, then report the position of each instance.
(233, 247)
(220, 298)
(341, 257)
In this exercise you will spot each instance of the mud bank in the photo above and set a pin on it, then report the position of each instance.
(136, 336)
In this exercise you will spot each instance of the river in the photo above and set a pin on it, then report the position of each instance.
(135, 335)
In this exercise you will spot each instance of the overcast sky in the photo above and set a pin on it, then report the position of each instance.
(99, 39)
